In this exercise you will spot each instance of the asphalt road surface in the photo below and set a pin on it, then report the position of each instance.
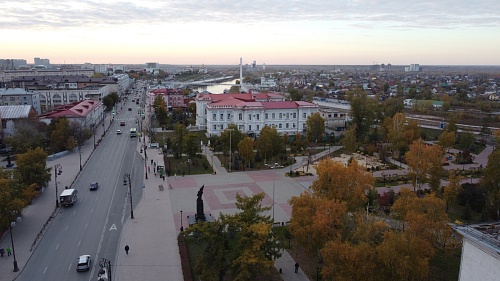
(93, 225)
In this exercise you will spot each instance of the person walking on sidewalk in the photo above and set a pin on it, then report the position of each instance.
(296, 267)
(8, 251)
(126, 249)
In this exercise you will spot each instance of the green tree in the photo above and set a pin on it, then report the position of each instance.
(28, 134)
(447, 139)
(192, 144)
(491, 184)
(231, 136)
(315, 125)
(160, 109)
(179, 141)
(295, 94)
(245, 148)
(59, 131)
(396, 134)
(363, 113)
(391, 106)
(242, 244)
(31, 168)
(349, 140)
(264, 143)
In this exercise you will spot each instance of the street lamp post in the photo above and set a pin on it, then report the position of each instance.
(126, 178)
(12, 224)
(182, 227)
(57, 171)
(317, 273)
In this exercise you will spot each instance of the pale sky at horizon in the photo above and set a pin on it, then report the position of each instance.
(322, 32)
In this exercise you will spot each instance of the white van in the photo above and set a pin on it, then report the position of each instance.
(68, 197)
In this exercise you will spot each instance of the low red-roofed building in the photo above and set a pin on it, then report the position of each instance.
(89, 113)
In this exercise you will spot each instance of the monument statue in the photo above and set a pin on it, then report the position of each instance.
(200, 214)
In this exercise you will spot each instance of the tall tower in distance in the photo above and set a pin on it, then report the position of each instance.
(241, 72)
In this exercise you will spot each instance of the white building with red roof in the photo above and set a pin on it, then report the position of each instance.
(251, 112)
(88, 113)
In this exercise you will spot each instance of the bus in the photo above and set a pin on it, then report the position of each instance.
(133, 132)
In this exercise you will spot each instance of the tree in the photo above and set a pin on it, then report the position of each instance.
(316, 220)
(264, 142)
(160, 110)
(447, 139)
(453, 189)
(404, 256)
(31, 168)
(315, 125)
(234, 133)
(242, 244)
(192, 144)
(413, 131)
(345, 184)
(245, 148)
(179, 142)
(396, 133)
(59, 131)
(491, 184)
(345, 261)
(349, 141)
(425, 164)
(295, 94)
(363, 113)
(391, 106)
(28, 134)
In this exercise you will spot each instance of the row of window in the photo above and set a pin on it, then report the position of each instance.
(242, 127)
(280, 115)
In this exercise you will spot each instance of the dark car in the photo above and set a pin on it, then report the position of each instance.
(94, 185)
(122, 123)
(84, 262)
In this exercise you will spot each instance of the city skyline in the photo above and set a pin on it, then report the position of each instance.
(347, 32)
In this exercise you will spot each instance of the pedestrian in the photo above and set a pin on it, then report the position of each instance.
(2, 252)
(296, 267)
(126, 249)
(149, 170)
(8, 251)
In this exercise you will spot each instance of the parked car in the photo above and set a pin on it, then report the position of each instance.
(84, 262)
(94, 185)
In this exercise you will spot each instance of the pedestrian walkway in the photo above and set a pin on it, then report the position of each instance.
(287, 266)
(37, 216)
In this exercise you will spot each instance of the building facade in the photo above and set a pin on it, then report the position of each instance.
(480, 252)
(251, 112)
(19, 96)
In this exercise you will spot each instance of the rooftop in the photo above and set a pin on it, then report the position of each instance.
(487, 234)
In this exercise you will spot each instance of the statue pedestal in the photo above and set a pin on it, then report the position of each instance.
(192, 220)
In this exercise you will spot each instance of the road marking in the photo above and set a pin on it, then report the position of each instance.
(86, 225)
(45, 270)
(57, 246)
(69, 267)
(113, 227)
(79, 242)
(74, 213)
(97, 197)
(67, 227)
(92, 211)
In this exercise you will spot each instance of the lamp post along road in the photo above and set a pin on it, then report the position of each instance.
(57, 171)
(126, 178)
(12, 224)
(230, 160)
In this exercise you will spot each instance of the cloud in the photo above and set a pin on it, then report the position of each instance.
(402, 14)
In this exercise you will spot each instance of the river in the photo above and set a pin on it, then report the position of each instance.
(217, 88)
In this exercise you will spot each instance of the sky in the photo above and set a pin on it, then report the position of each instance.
(274, 32)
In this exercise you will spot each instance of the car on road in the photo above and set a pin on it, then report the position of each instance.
(118, 132)
(122, 123)
(94, 185)
(84, 262)
(130, 109)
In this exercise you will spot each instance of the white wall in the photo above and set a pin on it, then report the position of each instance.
(476, 264)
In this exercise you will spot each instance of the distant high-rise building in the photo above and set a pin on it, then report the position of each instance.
(412, 68)
(11, 64)
(39, 61)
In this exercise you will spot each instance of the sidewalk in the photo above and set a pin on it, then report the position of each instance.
(37, 217)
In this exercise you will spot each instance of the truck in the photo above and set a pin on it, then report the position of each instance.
(68, 197)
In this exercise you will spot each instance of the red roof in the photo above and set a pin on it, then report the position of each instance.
(75, 109)
(279, 104)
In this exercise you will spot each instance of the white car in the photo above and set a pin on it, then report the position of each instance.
(84, 262)
(118, 132)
